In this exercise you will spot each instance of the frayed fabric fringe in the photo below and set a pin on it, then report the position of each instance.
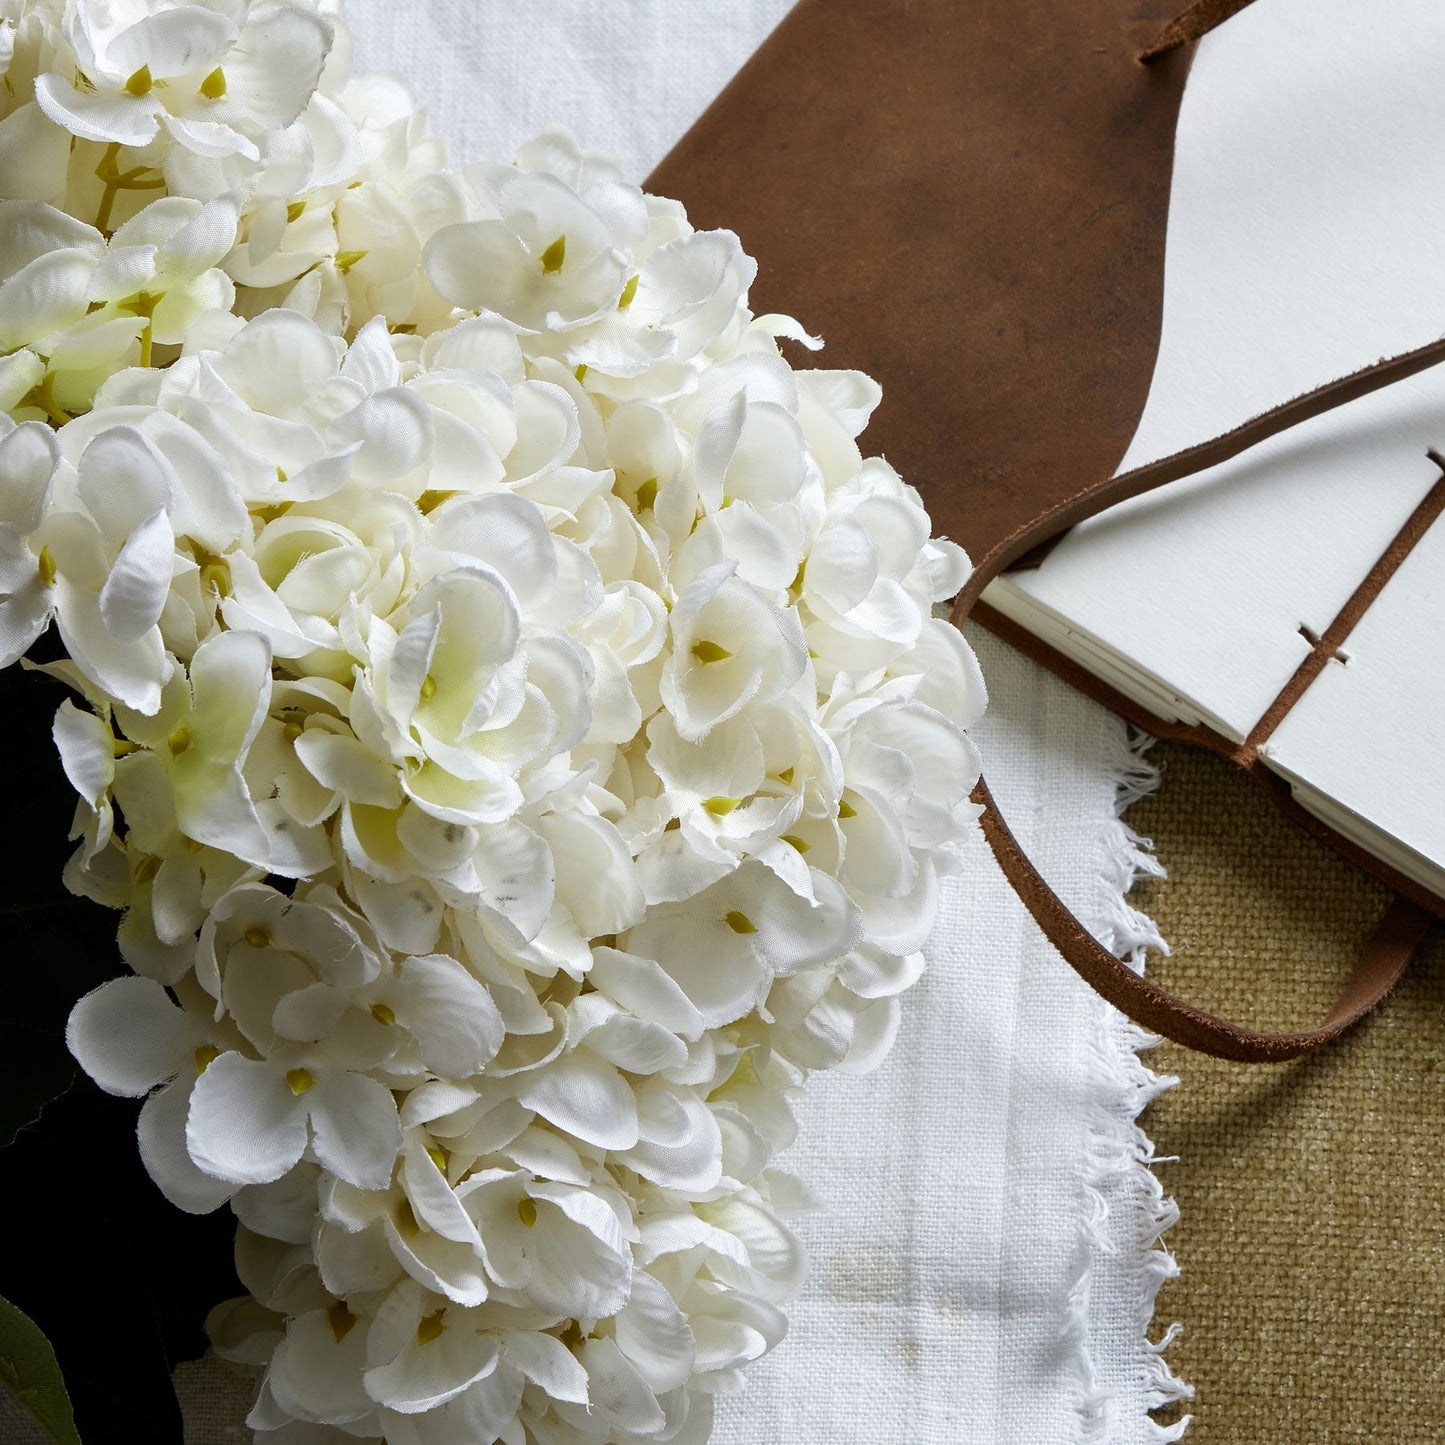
(1123, 1210)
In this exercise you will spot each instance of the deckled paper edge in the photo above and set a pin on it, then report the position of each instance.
(1124, 1212)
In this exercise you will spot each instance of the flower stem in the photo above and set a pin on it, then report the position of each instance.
(138, 178)
(106, 172)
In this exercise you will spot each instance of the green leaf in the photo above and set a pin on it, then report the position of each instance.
(29, 1370)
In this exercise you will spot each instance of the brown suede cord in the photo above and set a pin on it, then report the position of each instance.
(1382, 961)
(1199, 19)
(1404, 926)
(1099, 496)
(1328, 644)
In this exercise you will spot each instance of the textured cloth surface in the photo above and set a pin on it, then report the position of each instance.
(627, 78)
(1312, 1241)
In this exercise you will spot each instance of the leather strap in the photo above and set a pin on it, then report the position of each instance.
(1198, 19)
(1404, 925)
(1382, 961)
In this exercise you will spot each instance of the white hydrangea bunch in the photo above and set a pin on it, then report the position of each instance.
(510, 717)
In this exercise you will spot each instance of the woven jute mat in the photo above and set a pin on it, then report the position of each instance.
(1312, 1233)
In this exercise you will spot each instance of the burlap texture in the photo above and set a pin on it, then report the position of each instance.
(1312, 1242)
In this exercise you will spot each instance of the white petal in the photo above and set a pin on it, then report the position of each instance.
(25, 614)
(33, 155)
(637, 1046)
(356, 1131)
(310, 1013)
(339, 762)
(357, 1261)
(585, 1097)
(793, 934)
(272, 73)
(135, 592)
(394, 430)
(517, 876)
(773, 1249)
(101, 115)
(161, 1131)
(486, 1410)
(618, 1394)
(580, 1266)
(28, 458)
(245, 1125)
(424, 1376)
(316, 1371)
(432, 1199)
(133, 674)
(285, 1210)
(547, 1362)
(654, 1335)
(642, 987)
(172, 42)
(203, 241)
(128, 1036)
(695, 1163)
(446, 1267)
(449, 1014)
(594, 873)
(47, 294)
(124, 480)
(210, 140)
(231, 684)
(509, 534)
(87, 751)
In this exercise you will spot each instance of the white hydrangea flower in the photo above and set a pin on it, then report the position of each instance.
(510, 718)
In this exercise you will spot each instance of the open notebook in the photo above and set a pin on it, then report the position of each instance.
(1306, 238)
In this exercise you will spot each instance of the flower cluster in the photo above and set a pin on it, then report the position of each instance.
(510, 718)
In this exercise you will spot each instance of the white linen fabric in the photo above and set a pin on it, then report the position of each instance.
(626, 78)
